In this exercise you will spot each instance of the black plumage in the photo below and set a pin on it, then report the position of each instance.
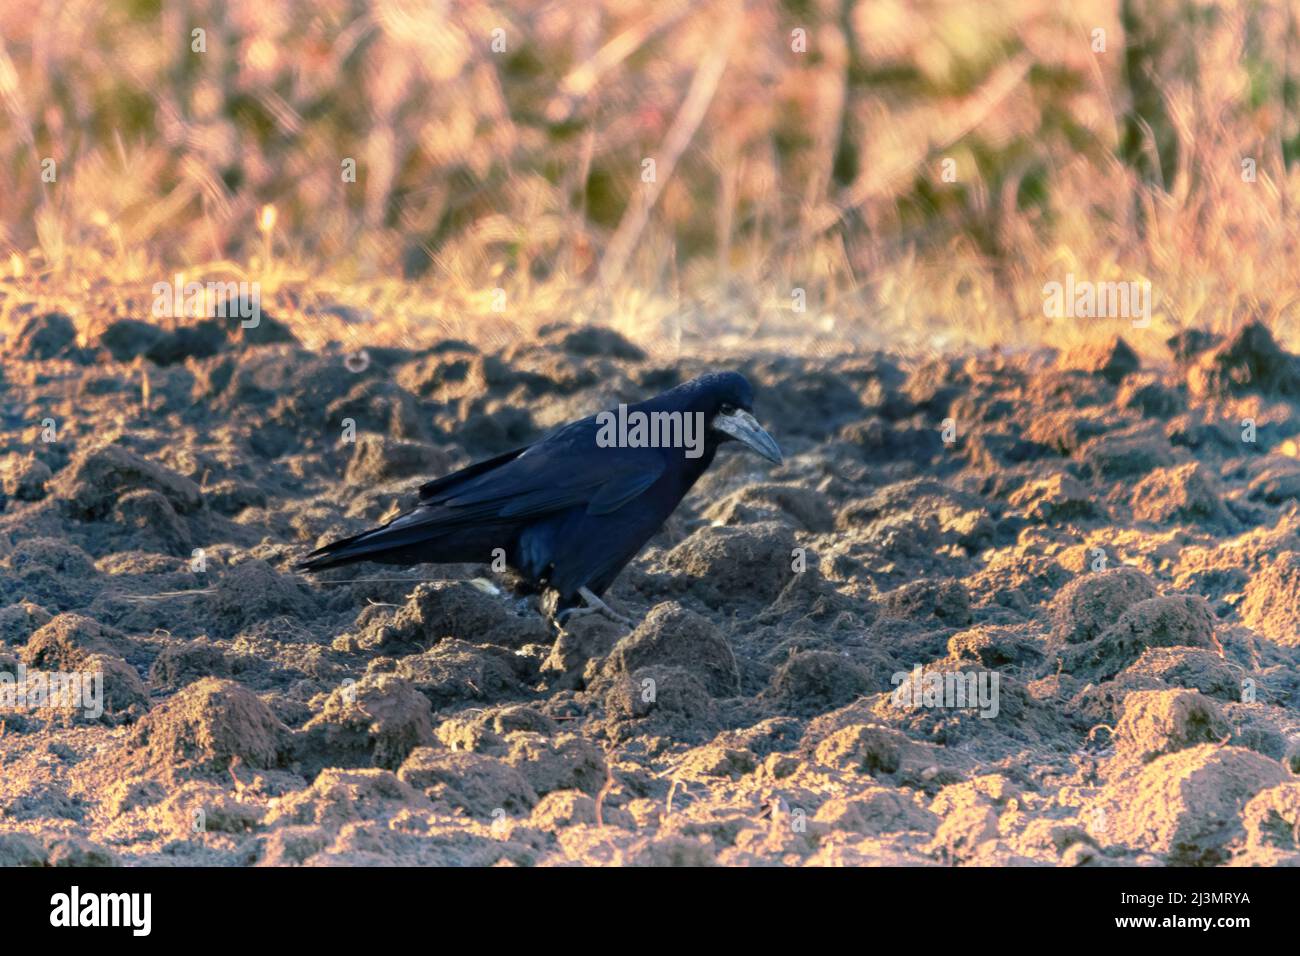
(570, 511)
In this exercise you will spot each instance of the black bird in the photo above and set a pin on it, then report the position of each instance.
(571, 510)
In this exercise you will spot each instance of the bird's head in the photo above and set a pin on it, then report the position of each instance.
(727, 401)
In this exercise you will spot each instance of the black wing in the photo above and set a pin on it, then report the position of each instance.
(562, 471)
(565, 470)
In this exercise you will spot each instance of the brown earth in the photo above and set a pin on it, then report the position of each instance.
(1097, 535)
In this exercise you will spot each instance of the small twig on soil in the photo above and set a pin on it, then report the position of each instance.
(668, 808)
(735, 665)
(1060, 666)
(1092, 733)
(384, 581)
(609, 785)
(163, 595)
(774, 824)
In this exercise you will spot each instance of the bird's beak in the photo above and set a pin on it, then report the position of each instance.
(745, 428)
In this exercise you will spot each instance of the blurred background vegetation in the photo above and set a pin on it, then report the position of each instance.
(908, 171)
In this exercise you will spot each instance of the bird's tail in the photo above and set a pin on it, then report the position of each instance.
(388, 543)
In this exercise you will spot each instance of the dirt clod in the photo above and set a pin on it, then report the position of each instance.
(208, 726)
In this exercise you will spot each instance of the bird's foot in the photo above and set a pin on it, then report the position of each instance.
(594, 606)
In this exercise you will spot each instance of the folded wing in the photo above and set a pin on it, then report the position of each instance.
(566, 470)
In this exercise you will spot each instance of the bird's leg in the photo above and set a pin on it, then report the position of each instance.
(597, 604)
(594, 605)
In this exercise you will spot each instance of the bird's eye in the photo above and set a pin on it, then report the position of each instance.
(726, 408)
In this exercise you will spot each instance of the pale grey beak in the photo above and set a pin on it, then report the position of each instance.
(745, 428)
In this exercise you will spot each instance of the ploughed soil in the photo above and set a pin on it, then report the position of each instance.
(1117, 544)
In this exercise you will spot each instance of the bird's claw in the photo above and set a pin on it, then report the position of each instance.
(594, 606)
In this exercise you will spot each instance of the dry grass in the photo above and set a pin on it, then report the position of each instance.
(497, 191)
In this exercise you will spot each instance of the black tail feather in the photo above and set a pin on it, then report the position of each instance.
(331, 555)
(377, 544)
